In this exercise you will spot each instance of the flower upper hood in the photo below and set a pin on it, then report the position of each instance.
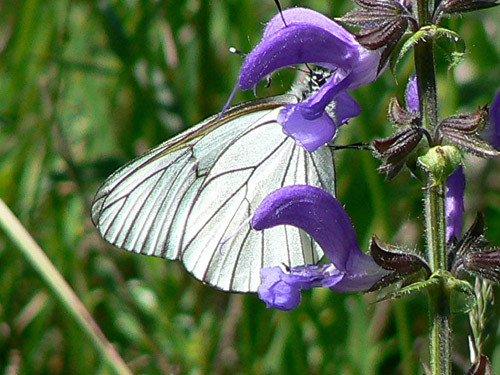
(311, 37)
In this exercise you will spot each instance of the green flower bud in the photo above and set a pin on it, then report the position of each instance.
(440, 161)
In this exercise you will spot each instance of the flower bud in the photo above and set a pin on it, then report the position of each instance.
(441, 161)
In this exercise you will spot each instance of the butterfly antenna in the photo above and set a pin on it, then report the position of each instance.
(277, 2)
(237, 51)
(298, 69)
(228, 103)
(231, 236)
(355, 146)
(235, 90)
(311, 71)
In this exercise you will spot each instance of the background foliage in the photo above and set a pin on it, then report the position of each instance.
(87, 85)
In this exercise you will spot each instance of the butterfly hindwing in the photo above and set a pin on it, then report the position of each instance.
(190, 198)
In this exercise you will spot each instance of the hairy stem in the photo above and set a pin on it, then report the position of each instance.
(435, 225)
(440, 334)
(439, 299)
(426, 81)
(434, 195)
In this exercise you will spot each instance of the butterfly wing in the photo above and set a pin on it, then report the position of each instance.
(190, 198)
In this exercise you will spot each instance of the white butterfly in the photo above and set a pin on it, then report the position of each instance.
(186, 197)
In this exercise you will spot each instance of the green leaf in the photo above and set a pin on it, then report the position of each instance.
(406, 43)
(411, 289)
(440, 161)
(451, 44)
(448, 41)
(463, 298)
(461, 292)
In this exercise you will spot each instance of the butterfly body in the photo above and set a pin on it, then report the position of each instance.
(190, 198)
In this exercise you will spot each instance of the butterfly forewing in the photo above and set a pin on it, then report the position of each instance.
(191, 197)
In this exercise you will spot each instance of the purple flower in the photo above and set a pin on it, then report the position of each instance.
(412, 103)
(454, 204)
(494, 133)
(310, 37)
(322, 216)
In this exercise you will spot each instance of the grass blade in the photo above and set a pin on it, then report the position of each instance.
(63, 292)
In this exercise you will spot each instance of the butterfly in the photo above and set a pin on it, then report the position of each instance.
(191, 197)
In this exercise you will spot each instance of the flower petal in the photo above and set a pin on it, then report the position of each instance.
(294, 44)
(308, 122)
(308, 37)
(454, 204)
(315, 105)
(345, 108)
(310, 134)
(298, 15)
(363, 62)
(494, 136)
(275, 292)
(301, 35)
(362, 274)
(315, 211)
(412, 103)
(281, 288)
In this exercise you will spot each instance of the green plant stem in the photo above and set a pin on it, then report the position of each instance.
(37, 258)
(426, 81)
(440, 335)
(434, 195)
(423, 8)
(435, 225)
(422, 12)
(439, 298)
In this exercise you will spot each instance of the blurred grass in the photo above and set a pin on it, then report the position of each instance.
(85, 86)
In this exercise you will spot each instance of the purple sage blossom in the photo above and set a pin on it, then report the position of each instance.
(454, 204)
(310, 37)
(411, 95)
(494, 133)
(323, 217)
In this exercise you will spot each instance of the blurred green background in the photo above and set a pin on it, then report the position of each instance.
(87, 85)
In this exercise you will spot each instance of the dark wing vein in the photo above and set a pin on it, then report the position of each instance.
(236, 267)
(187, 195)
(142, 207)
